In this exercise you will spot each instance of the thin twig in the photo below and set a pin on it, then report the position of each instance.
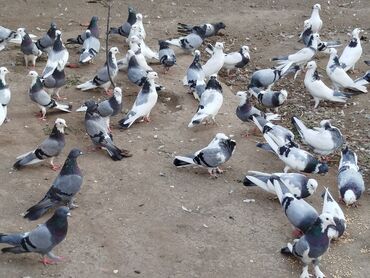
(109, 4)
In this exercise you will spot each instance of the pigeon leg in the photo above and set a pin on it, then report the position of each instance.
(54, 167)
(26, 60)
(71, 204)
(305, 273)
(212, 173)
(219, 170)
(33, 57)
(109, 92)
(297, 233)
(286, 169)
(317, 101)
(147, 118)
(51, 259)
(56, 92)
(318, 272)
(92, 148)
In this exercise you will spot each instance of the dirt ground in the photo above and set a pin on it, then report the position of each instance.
(130, 221)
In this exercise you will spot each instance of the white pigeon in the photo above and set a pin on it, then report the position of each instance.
(331, 207)
(237, 59)
(210, 102)
(135, 45)
(315, 20)
(146, 50)
(140, 25)
(324, 140)
(353, 51)
(144, 103)
(338, 76)
(317, 88)
(5, 95)
(215, 63)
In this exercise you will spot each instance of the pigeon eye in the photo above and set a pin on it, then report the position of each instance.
(327, 218)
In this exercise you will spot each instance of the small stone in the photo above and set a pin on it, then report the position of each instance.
(115, 271)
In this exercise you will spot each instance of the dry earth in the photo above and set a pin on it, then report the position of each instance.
(130, 222)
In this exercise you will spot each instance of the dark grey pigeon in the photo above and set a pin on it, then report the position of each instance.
(66, 185)
(42, 98)
(195, 72)
(93, 27)
(350, 181)
(265, 78)
(29, 48)
(218, 151)
(270, 99)
(211, 28)
(299, 185)
(192, 41)
(50, 148)
(312, 245)
(167, 56)
(42, 239)
(299, 213)
(125, 28)
(55, 81)
(135, 73)
(99, 133)
(46, 42)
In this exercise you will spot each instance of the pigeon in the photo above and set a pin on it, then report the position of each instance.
(194, 71)
(245, 110)
(350, 181)
(278, 131)
(332, 207)
(167, 56)
(29, 48)
(5, 94)
(324, 140)
(55, 81)
(5, 36)
(63, 190)
(50, 148)
(94, 29)
(299, 185)
(338, 76)
(317, 88)
(218, 151)
(315, 21)
(109, 107)
(97, 128)
(139, 24)
(135, 31)
(299, 213)
(301, 57)
(353, 51)
(144, 103)
(101, 79)
(41, 97)
(192, 41)
(312, 245)
(46, 42)
(210, 102)
(294, 157)
(124, 29)
(135, 46)
(237, 60)
(265, 78)
(90, 48)
(136, 74)
(211, 28)
(270, 99)
(42, 239)
(364, 80)
(148, 53)
(216, 62)
(307, 33)
(200, 87)
(57, 58)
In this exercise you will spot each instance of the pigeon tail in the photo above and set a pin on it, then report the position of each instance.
(197, 119)
(28, 159)
(115, 153)
(88, 85)
(64, 107)
(265, 146)
(182, 161)
(38, 210)
(175, 42)
(256, 178)
(299, 125)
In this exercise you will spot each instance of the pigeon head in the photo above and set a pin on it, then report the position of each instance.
(163, 44)
(219, 45)
(131, 10)
(213, 83)
(60, 124)
(74, 153)
(114, 50)
(306, 24)
(349, 197)
(3, 71)
(322, 168)
(139, 17)
(62, 212)
(52, 30)
(134, 39)
(117, 92)
(311, 186)
(88, 33)
(33, 74)
(316, 7)
(348, 157)
(220, 25)
(91, 105)
(283, 95)
(326, 221)
(152, 75)
(356, 32)
(332, 51)
(245, 49)
(21, 32)
(311, 65)
(220, 136)
(242, 95)
(93, 23)
(58, 34)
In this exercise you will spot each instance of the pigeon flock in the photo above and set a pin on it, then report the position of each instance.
(313, 230)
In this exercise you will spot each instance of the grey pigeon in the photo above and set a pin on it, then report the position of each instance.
(5, 36)
(93, 27)
(167, 56)
(125, 28)
(41, 97)
(278, 131)
(63, 190)
(324, 140)
(55, 81)
(90, 48)
(135, 73)
(192, 41)
(144, 103)
(299, 213)
(299, 185)
(364, 80)
(218, 151)
(101, 79)
(46, 42)
(194, 72)
(294, 157)
(331, 207)
(350, 181)
(312, 245)
(50, 148)
(57, 57)
(97, 128)
(5, 94)
(29, 48)
(270, 99)
(212, 29)
(42, 239)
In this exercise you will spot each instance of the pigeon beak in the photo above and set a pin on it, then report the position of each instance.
(68, 214)
(83, 108)
(81, 153)
(65, 125)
